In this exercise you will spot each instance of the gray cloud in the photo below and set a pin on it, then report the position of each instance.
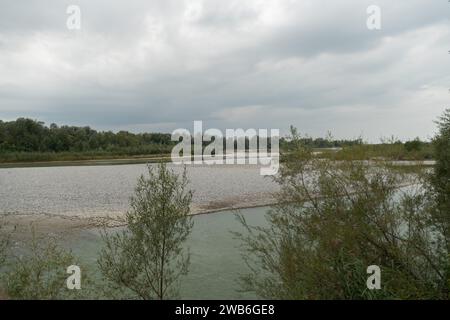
(159, 65)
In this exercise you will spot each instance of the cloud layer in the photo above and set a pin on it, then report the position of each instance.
(158, 65)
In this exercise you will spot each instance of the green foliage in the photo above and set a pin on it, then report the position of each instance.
(440, 180)
(336, 218)
(411, 150)
(28, 138)
(414, 145)
(441, 176)
(389, 149)
(39, 273)
(328, 142)
(147, 259)
(4, 244)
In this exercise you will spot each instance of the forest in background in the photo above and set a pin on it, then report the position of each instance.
(28, 140)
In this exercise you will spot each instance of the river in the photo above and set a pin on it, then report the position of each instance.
(83, 192)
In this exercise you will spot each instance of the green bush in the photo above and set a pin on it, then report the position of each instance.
(147, 259)
(440, 183)
(39, 272)
(414, 145)
(334, 219)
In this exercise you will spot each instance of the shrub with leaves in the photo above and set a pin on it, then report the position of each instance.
(148, 258)
(336, 218)
(439, 184)
(4, 244)
(39, 272)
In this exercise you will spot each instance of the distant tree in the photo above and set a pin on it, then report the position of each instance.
(148, 257)
(26, 135)
(414, 145)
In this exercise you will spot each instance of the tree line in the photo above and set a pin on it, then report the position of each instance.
(27, 140)
(27, 135)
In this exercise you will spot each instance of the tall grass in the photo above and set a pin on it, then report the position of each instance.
(153, 150)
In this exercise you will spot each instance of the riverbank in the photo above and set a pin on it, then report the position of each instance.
(23, 226)
(88, 162)
(65, 198)
(395, 153)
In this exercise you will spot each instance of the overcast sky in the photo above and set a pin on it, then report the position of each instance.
(159, 65)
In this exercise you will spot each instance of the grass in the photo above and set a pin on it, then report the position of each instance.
(144, 152)
(394, 152)
(25, 159)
